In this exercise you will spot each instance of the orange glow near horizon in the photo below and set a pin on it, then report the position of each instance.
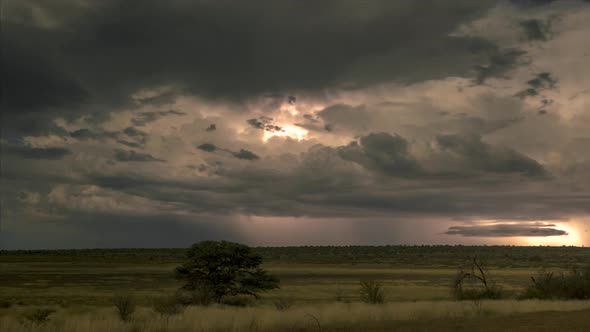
(573, 238)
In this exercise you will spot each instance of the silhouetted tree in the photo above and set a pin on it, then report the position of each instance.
(224, 268)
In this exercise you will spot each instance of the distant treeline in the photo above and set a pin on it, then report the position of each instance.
(395, 255)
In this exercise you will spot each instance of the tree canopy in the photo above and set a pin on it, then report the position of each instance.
(224, 268)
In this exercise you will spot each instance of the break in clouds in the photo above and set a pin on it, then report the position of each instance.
(152, 123)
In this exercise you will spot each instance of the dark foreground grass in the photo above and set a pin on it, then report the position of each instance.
(503, 315)
(552, 321)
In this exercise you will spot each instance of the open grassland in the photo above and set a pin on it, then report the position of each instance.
(94, 284)
(320, 285)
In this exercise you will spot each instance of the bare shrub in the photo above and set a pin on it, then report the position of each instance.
(125, 306)
(372, 292)
(473, 283)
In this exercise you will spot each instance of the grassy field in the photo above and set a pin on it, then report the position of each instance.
(321, 284)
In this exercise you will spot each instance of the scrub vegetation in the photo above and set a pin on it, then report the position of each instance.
(400, 288)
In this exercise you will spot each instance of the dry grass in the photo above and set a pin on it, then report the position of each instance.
(342, 316)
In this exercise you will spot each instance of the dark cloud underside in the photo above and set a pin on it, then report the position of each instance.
(28, 152)
(132, 156)
(507, 230)
(100, 55)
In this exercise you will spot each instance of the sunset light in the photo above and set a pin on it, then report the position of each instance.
(287, 165)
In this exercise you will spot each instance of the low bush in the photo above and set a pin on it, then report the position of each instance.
(372, 292)
(574, 284)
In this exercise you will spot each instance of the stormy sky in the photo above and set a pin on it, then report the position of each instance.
(161, 123)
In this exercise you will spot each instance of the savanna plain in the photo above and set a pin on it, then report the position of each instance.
(356, 288)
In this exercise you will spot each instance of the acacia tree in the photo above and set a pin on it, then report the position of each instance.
(224, 268)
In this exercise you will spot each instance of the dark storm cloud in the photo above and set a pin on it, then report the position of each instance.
(245, 154)
(121, 137)
(87, 134)
(84, 134)
(321, 183)
(241, 154)
(28, 152)
(146, 117)
(79, 230)
(499, 64)
(129, 144)
(35, 79)
(134, 132)
(383, 152)
(321, 187)
(264, 123)
(541, 82)
(507, 230)
(132, 156)
(207, 147)
(98, 55)
(476, 154)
